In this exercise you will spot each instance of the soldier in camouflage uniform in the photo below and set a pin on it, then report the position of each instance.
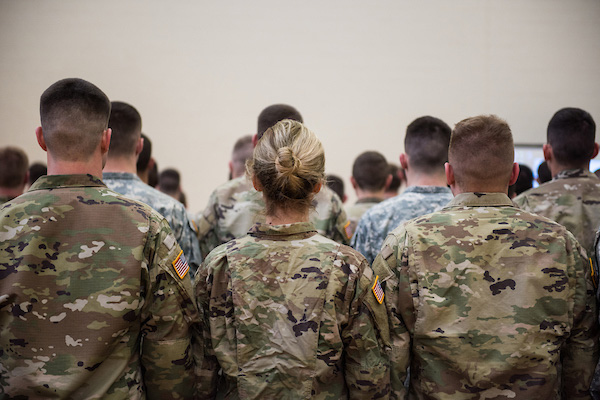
(95, 297)
(120, 175)
(235, 206)
(370, 178)
(426, 146)
(14, 173)
(572, 197)
(485, 300)
(290, 314)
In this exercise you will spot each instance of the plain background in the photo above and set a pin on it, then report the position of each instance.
(200, 72)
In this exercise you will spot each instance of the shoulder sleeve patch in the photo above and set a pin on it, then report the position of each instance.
(378, 290)
(181, 265)
(348, 230)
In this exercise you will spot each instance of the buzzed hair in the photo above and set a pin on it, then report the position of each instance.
(370, 171)
(126, 124)
(74, 113)
(481, 151)
(275, 113)
(13, 167)
(336, 184)
(572, 133)
(242, 151)
(426, 143)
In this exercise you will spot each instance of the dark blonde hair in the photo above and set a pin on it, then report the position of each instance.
(481, 151)
(289, 162)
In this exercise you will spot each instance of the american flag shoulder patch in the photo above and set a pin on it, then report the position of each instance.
(377, 290)
(181, 266)
(348, 230)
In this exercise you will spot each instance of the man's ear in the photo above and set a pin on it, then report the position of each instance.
(548, 154)
(353, 182)
(39, 134)
(105, 141)
(449, 174)
(388, 182)
(139, 147)
(514, 174)
(595, 150)
(404, 161)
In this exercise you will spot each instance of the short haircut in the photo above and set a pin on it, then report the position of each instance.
(426, 143)
(126, 124)
(481, 151)
(169, 181)
(544, 173)
(275, 113)
(571, 133)
(336, 184)
(13, 167)
(37, 170)
(524, 180)
(74, 113)
(370, 171)
(242, 152)
(144, 157)
(396, 181)
(289, 162)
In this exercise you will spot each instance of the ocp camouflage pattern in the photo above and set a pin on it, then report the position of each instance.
(289, 314)
(485, 301)
(572, 199)
(234, 207)
(85, 274)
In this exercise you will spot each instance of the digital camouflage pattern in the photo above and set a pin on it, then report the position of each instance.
(485, 301)
(356, 211)
(290, 314)
(386, 216)
(571, 198)
(174, 212)
(85, 274)
(234, 207)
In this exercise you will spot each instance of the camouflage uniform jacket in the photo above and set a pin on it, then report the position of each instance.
(485, 301)
(356, 211)
(290, 315)
(91, 305)
(174, 212)
(235, 207)
(386, 216)
(4, 199)
(572, 199)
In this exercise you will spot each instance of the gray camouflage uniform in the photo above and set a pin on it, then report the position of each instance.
(235, 207)
(485, 301)
(386, 216)
(356, 211)
(91, 305)
(132, 186)
(291, 315)
(571, 198)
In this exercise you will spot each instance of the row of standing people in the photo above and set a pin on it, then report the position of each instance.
(284, 311)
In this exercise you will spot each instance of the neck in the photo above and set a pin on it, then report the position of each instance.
(121, 164)
(283, 217)
(61, 167)
(416, 178)
(366, 194)
(11, 192)
(456, 189)
(556, 168)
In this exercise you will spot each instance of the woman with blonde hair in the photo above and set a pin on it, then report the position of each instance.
(288, 313)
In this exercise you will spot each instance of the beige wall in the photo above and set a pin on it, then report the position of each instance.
(359, 71)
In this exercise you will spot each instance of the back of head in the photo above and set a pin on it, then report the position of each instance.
(275, 113)
(242, 151)
(36, 170)
(126, 124)
(336, 184)
(524, 180)
(13, 167)
(426, 143)
(289, 162)
(544, 174)
(74, 114)
(395, 171)
(571, 133)
(370, 171)
(481, 152)
(169, 181)
(145, 155)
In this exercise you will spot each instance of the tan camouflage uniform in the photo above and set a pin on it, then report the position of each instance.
(484, 301)
(290, 315)
(85, 274)
(356, 211)
(234, 207)
(572, 199)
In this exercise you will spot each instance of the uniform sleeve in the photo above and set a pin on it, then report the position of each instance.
(207, 365)
(169, 318)
(339, 220)
(580, 354)
(360, 240)
(207, 227)
(391, 265)
(366, 342)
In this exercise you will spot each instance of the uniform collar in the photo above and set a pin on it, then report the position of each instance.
(369, 200)
(480, 200)
(298, 230)
(59, 181)
(575, 173)
(120, 176)
(427, 189)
